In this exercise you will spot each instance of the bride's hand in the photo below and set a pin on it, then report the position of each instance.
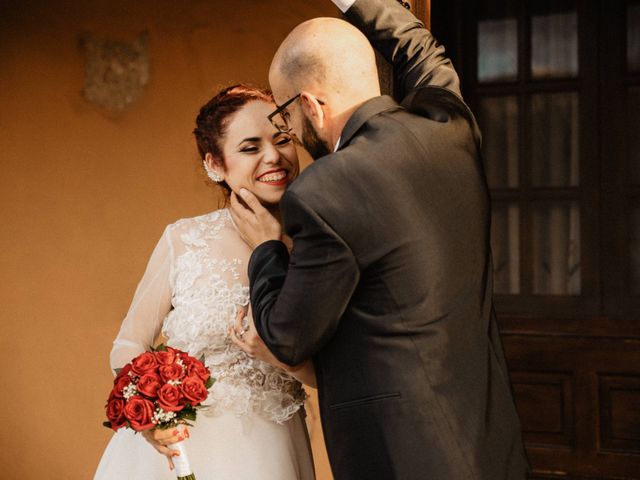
(160, 439)
(245, 336)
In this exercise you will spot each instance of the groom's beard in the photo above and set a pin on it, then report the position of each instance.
(311, 141)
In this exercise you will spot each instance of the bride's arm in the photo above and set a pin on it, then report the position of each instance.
(141, 326)
(246, 337)
(151, 303)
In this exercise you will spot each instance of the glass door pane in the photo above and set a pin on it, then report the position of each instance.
(633, 36)
(554, 39)
(555, 161)
(498, 119)
(505, 247)
(556, 249)
(633, 133)
(497, 42)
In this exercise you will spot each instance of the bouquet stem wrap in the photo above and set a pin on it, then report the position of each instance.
(181, 462)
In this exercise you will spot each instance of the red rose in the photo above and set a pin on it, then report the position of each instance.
(120, 384)
(124, 372)
(115, 412)
(197, 369)
(139, 412)
(186, 359)
(171, 372)
(144, 363)
(166, 357)
(148, 384)
(169, 398)
(194, 390)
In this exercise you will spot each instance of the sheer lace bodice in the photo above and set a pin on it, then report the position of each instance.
(194, 284)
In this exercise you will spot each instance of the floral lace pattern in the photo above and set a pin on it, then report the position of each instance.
(208, 290)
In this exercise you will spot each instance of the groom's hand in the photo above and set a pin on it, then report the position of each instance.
(255, 223)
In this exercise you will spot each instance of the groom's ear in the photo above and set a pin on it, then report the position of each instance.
(312, 109)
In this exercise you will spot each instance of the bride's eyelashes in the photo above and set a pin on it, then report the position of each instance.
(249, 149)
(281, 142)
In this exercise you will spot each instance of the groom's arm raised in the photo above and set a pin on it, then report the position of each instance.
(417, 58)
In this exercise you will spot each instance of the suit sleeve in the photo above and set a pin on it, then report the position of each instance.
(417, 58)
(298, 300)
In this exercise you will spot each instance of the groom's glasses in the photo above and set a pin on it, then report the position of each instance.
(280, 117)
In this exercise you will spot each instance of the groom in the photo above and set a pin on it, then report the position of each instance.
(388, 285)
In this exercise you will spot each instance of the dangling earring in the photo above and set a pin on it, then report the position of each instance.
(213, 175)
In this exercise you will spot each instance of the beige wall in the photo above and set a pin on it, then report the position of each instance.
(85, 196)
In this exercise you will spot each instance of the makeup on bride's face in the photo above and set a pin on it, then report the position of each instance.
(257, 156)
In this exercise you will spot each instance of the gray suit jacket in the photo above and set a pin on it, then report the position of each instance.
(388, 286)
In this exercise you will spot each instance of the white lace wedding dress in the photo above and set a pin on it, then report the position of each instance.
(253, 427)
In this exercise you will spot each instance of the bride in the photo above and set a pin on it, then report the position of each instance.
(194, 288)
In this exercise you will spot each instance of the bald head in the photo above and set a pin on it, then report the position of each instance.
(329, 57)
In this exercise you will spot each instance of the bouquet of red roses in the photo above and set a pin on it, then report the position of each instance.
(159, 389)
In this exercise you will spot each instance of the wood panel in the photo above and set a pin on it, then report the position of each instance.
(579, 404)
(619, 413)
(545, 402)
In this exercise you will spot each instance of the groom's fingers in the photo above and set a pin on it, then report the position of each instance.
(238, 211)
(252, 201)
(242, 209)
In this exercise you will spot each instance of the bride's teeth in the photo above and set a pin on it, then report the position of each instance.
(273, 177)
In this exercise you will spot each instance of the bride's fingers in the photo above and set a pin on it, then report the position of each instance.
(235, 338)
(240, 342)
(239, 323)
(168, 452)
(170, 436)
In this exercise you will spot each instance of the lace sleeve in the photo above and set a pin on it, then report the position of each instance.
(151, 303)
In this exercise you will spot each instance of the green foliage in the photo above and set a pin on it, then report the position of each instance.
(188, 413)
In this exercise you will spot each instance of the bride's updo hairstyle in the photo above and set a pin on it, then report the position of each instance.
(214, 116)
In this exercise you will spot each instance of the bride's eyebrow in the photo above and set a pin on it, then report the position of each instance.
(250, 139)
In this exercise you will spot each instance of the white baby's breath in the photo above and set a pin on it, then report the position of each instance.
(129, 391)
(161, 416)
